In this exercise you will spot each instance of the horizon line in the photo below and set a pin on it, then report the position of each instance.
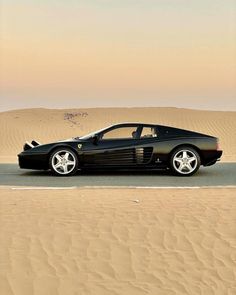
(117, 107)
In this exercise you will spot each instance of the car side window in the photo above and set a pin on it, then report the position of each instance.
(121, 133)
(148, 132)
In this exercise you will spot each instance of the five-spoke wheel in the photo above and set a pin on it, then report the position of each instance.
(63, 162)
(185, 161)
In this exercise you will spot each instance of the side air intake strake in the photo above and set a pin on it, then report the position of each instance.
(124, 156)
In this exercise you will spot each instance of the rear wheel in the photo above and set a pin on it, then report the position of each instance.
(63, 162)
(185, 161)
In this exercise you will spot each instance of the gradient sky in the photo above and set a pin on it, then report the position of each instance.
(95, 53)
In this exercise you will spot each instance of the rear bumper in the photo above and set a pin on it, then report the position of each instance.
(212, 157)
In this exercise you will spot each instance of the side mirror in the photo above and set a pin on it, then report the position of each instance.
(95, 139)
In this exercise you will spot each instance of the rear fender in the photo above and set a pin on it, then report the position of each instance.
(187, 145)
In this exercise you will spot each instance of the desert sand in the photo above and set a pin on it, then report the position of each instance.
(115, 241)
(46, 125)
(118, 242)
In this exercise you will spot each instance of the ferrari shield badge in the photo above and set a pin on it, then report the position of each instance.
(79, 146)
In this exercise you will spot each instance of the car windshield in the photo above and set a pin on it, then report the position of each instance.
(87, 136)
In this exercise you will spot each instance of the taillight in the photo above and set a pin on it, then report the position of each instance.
(217, 145)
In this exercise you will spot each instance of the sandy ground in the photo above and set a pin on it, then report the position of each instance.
(52, 125)
(121, 242)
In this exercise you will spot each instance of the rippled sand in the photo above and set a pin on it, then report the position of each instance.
(121, 242)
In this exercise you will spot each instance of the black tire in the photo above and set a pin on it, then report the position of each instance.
(176, 161)
(65, 168)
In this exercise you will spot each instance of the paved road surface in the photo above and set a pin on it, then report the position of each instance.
(221, 174)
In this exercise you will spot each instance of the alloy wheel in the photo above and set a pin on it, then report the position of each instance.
(63, 162)
(185, 161)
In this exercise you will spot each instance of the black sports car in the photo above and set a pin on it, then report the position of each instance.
(125, 146)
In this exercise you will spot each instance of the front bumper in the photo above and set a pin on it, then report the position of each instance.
(33, 161)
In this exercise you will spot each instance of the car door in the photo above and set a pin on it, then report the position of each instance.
(115, 147)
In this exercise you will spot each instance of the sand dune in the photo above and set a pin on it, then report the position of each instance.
(103, 242)
(48, 125)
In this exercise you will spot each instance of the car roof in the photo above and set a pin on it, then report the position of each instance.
(133, 124)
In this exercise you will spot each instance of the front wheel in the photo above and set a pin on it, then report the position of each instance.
(185, 161)
(63, 162)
